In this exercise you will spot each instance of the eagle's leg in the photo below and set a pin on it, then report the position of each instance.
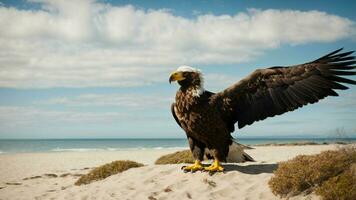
(215, 167)
(197, 166)
(197, 148)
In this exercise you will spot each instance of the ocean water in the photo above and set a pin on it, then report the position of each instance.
(85, 145)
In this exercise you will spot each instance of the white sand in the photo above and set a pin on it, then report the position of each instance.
(241, 181)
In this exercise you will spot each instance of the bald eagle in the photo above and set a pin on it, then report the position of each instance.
(208, 118)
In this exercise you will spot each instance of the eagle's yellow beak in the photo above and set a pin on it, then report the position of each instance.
(176, 76)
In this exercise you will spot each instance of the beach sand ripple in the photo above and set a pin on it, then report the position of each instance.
(52, 176)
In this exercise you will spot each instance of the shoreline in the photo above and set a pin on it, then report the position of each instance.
(176, 148)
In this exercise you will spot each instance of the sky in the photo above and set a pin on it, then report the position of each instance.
(100, 69)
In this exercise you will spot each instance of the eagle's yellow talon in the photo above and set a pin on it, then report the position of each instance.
(197, 166)
(215, 167)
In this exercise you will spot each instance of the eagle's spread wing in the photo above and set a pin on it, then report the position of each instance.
(273, 91)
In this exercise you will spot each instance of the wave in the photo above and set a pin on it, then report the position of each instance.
(75, 149)
(113, 149)
(161, 148)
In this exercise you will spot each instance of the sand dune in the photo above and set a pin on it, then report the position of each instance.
(52, 176)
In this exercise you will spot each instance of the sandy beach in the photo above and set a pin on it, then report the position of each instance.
(52, 176)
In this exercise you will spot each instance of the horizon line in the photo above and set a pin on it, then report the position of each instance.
(168, 138)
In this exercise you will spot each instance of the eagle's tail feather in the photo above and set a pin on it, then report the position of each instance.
(237, 154)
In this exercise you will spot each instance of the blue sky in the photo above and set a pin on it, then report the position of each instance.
(99, 69)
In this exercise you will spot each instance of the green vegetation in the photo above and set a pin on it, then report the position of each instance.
(176, 158)
(107, 170)
(331, 174)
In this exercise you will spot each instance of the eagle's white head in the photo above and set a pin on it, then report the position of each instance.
(189, 77)
(186, 68)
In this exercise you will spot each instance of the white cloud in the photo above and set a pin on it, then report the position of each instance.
(346, 101)
(86, 43)
(217, 82)
(27, 121)
(33, 122)
(16, 117)
(133, 101)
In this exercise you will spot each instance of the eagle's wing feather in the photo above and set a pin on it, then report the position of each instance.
(276, 90)
(174, 114)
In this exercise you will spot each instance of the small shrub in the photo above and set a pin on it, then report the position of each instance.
(176, 158)
(307, 173)
(107, 170)
(340, 187)
(301, 143)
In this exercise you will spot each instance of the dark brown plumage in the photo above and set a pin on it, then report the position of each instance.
(208, 119)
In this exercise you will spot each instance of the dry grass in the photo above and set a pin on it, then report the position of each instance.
(329, 169)
(184, 156)
(342, 186)
(107, 170)
(176, 158)
(301, 143)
